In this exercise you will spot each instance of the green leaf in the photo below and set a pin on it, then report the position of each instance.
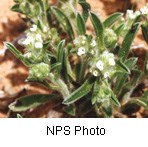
(69, 69)
(115, 101)
(127, 42)
(16, 8)
(17, 53)
(95, 92)
(112, 19)
(63, 21)
(122, 77)
(99, 29)
(120, 81)
(31, 101)
(80, 92)
(123, 66)
(143, 101)
(131, 62)
(55, 65)
(107, 108)
(70, 109)
(86, 8)
(81, 24)
(60, 54)
(119, 29)
(145, 32)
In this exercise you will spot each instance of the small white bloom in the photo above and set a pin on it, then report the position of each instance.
(106, 75)
(95, 73)
(144, 10)
(111, 61)
(38, 37)
(93, 43)
(34, 28)
(100, 65)
(83, 37)
(92, 52)
(27, 55)
(81, 51)
(131, 14)
(105, 53)
(28, 40)
(38, 45)
(83, 42)
(45, 29)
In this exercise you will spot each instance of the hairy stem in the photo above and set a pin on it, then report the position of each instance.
(62, 87)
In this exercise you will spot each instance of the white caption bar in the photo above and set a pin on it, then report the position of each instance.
(73, 132)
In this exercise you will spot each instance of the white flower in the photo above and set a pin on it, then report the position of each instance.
(93, 43)
(106, 75)
(95, 73)
(28, 40)
(92, 52)
(83, 42)
(34, 28)
(100, 65)
(81, 51)
(105, 53)
(111, 61)
(38, 45)
(144, 10)
(131, 14)
(45, 29)
(83, 37)
(38, 37)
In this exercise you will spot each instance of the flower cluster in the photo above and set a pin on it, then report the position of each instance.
(104, 65)
(39, 71)
(35, 40)
(132, 15)
(34, 44)
(84, 45)
(143, 11)
(110, 38)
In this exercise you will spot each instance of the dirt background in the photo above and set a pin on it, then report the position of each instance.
(13, 73)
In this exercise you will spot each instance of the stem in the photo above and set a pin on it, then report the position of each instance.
(62, 87)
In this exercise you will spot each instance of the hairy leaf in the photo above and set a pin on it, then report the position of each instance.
(17, 53)
(80, 92)
(81, 24)
(112, 19)
(99, 29)
(60, 54)
(31, 101)
(124, 51)
(70, 109)
(86, 8)
(63, 20)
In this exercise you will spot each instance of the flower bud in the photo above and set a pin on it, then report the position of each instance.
(110, 38)
(39, 71)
